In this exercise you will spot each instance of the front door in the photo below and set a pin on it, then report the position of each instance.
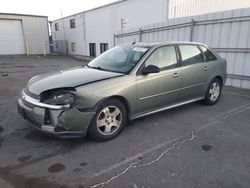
(157, 90)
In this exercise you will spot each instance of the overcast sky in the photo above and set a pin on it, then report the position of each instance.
(51, 8)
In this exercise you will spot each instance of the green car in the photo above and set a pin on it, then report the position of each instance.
(124, 83)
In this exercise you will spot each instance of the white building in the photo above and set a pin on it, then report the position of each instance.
(23, 34)
(91, 32)
(94, 29)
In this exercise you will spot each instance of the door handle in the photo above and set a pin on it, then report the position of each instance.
(205, 68)
(175, 75)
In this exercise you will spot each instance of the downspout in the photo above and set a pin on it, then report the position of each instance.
(140, 35)
(191, 30)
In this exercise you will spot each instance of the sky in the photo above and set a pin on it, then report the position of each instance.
(52, 8)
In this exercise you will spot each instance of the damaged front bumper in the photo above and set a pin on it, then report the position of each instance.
(55, 120)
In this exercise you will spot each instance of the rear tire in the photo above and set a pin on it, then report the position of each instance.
(213, 92)
(109, 120)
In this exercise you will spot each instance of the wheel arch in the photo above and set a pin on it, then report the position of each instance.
(117, 97)
(123, 100)
(218, 77)
(212, 78)
(206, 87)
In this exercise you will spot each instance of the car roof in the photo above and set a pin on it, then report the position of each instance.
(151, 45)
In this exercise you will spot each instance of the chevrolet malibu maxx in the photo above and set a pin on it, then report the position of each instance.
(124, 83)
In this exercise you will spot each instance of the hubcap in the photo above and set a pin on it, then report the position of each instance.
(109, 120)
(214, 91)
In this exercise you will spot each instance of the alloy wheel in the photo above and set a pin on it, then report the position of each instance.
(214, 91)
(109, 120)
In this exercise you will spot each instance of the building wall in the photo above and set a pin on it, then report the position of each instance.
(99, 28)
(99, 25)
(71, 35)
(182, 8)
(36, 32)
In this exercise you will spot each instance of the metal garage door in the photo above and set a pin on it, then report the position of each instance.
(11, 37)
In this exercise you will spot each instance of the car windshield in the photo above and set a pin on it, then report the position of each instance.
(121, 59)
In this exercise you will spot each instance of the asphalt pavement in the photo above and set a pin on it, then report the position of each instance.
(190, 146)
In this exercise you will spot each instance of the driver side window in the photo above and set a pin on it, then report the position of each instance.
(163, 57)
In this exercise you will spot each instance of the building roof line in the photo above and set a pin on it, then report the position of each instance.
(106, 5)
(15, 14)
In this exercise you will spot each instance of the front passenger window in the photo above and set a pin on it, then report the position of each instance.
(163, 57)
(190, 54)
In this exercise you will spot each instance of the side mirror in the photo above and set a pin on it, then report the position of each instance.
(150, 69)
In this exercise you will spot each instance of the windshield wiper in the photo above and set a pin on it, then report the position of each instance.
(99, 68)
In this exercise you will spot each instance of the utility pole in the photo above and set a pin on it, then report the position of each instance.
(64, 41)
(124, 21)
(167, 9)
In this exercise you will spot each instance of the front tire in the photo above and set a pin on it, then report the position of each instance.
(213, 92)
(110, 119)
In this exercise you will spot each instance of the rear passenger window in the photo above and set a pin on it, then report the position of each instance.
(209, 55)
(164, 58)
(190, 54)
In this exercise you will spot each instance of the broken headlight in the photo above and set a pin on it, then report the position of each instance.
(62, 99)
(59, 97)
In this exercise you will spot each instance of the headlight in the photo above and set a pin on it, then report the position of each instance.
(60, 97)
(63, 99)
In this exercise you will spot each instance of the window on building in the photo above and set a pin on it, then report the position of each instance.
(92, 49)
(163, 57)
(73, 47)
(208, 55)
(56, 27)
(103, 47)
(190, 54)
(72, 23)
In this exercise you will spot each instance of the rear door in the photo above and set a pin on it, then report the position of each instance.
(195, 72)
(157, 90)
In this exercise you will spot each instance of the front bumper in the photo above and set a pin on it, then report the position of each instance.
(57, 122)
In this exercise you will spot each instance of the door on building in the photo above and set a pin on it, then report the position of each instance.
(92, 49)
(11, 37)
(103, 47)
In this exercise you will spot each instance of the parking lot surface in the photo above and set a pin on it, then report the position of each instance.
(190, 146)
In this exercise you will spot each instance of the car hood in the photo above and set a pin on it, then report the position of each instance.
(72, 77)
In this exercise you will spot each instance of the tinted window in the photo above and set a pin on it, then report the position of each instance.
(73, 47)
(209, 55)
(72, 23)
(190, 54)
(56, 26)
(163, 57)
